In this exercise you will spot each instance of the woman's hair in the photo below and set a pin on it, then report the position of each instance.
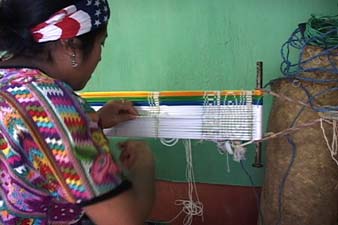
(18, 17)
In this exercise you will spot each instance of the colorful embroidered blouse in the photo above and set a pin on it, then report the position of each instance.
(53, 157)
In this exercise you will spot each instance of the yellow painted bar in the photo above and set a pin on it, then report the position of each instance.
(165, 93)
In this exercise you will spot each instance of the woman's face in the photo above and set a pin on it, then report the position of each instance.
(86, 65)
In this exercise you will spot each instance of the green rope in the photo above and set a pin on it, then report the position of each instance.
(322, 31)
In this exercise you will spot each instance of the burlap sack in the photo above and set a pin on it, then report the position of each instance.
(310, 196)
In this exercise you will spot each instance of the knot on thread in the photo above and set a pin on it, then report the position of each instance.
(191, 208)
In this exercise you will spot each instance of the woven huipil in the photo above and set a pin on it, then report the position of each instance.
(53, 157)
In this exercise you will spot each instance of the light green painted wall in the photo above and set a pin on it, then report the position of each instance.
(201, 45)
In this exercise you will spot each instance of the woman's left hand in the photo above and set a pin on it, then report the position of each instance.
(115, 112)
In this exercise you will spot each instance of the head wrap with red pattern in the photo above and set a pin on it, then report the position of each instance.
(72, 21)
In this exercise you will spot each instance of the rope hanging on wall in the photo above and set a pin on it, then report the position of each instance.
(203, 115)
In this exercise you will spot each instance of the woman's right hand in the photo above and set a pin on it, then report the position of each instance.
(138, 160)
(131, 207)
(136, 155)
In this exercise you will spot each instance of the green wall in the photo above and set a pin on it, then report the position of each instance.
(157, 45)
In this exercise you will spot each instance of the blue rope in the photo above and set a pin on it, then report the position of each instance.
(255, 192)
(287, 172)
(295, 69)
(323, 108)
(282, 184)
(321, 32)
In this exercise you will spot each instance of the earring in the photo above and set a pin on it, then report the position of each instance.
(74, 63)
(5, 55)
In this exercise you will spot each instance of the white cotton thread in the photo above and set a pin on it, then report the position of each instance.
(239, 151)
(234, 148)
(169, 142)
(224, 147)
(219, 117)
(154, 111)
(333, 147)
(228, 163)
(189, 207)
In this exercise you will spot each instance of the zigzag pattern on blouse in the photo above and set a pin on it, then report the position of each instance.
(35, 107)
